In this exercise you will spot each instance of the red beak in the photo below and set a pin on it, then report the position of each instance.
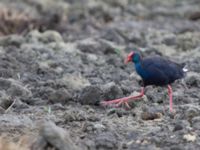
(129, 57)
(127, 60)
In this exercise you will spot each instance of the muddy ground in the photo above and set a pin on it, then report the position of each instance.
(59, 59)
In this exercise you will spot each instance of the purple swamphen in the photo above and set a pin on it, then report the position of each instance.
(153, 71)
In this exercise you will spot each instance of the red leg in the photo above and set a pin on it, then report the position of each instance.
(124, 100)
(170, 98)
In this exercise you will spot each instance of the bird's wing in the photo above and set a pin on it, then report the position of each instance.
(171, 69)
(155, 76)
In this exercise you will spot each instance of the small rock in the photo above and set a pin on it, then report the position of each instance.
(195, 122)
(189, 137)
(118, 111)
(111, 34)
(178, 127)
(91, 95)
(5, 100)
(58, 106)
(93, 118)
(188, 40)
(88, 45)
(89, 144)
(46, 37)
(18, 105)
(106, 141)
(33, 36)
(17, 89)
(51, 36)
(74, 115)
(111, 91)
(14, 88)
(90, 127)
(192, 112)
(99, 126)
(194, 16)
(6, 73)
(92, 57)
(60, 96)
(5, 84)
(35, 101)
(169, 40)
(155, 95)
(150, 116)
(136, 38)
(69, 48)
(45, 92)
(193, 79)
(58, 138)
(14, 40)
(74, 82)
(110, 47)
(135, 76)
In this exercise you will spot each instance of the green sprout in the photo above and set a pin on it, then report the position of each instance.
(48, 109)
(118, 51)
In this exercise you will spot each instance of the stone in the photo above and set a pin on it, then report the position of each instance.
(74, 82)
(111, 91)
(193, 79)
(192, 112)
(60, 96)
(106, 141)
(50, 134)
(189, 137)
(50, 36)
(14, 40)
(90, 95)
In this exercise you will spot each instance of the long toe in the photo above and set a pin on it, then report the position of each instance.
(117, 103)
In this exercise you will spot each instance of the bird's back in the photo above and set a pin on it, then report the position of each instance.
(160, 71)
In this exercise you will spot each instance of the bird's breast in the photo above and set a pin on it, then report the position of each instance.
(141, 71)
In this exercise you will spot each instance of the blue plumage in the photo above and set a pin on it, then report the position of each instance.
(157, 70)
(154, 71)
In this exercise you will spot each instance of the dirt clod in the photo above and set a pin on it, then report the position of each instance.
(53, 136)
(150, 115)
(106, 141)
(60, 96)
(90, 95)
(111, 91)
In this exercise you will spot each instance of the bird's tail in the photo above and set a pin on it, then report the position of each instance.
(185, 69)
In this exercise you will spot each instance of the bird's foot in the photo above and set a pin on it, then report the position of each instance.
(123, 101)
(117, 102)
(172, 111)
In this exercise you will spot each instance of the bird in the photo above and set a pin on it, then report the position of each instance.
(155, 70)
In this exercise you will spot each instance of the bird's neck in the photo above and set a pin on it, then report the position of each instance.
(137, 64)
(140, 70)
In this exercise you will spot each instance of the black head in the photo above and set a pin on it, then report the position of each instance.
(134, 57)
